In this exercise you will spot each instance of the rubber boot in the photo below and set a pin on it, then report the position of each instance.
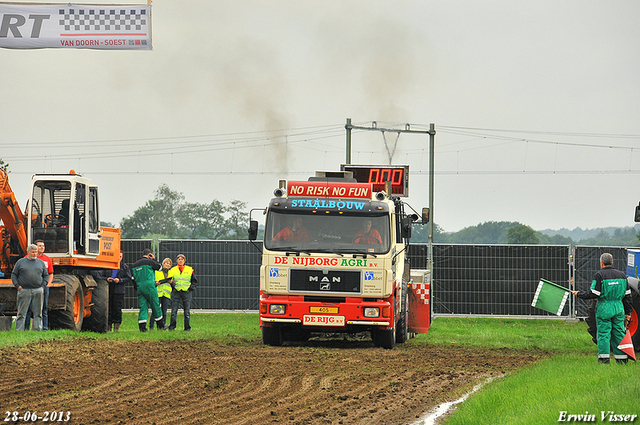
(160, 324)
(116, 327)
(142, 326)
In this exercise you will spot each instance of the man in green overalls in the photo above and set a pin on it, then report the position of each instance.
(144, 276)
(613, 295)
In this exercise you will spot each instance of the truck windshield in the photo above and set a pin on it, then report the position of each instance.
(308, 232)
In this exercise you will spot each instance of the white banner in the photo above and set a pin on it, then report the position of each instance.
(74, 26)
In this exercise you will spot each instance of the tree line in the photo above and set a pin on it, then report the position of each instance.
(168, 216)
(507, 232)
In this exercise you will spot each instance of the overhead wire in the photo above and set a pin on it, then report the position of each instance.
(315, 138)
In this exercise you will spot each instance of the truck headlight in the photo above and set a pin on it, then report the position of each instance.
(277, 309)
(371, 312)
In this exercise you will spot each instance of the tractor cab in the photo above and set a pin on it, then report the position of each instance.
(63, 212)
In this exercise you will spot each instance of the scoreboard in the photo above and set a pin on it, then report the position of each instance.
(378, 175)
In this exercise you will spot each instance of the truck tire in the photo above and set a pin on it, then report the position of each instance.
(295, 334)
(634, 327)
(98, 321)
(591, 321)
(402, 323)
(387, 338)
(272, 336)
(71, 317)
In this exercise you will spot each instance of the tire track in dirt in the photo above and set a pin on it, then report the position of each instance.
(102, 381)
(125, 395)
(69, 396)
(270, 411)
(18, 386)
(244, 397)
(224, 403)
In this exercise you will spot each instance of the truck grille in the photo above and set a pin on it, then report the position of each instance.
(325, 281)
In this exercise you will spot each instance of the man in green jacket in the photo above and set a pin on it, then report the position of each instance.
(145, 282)
(613, 295)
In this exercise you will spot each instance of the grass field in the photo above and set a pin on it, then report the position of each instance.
(570, 380)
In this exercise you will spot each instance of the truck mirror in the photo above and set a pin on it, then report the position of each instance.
(406, 227)
(425, 215)
(253, 230)
(637, 217)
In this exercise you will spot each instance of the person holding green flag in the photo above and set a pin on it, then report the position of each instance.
(613, 294)
(144, 276)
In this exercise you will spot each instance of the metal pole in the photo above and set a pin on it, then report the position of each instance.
(432, 142)
(348, 127)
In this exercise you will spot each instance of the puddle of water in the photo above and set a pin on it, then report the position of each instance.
(441, 410)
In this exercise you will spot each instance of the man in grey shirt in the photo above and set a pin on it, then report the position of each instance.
(30, 276)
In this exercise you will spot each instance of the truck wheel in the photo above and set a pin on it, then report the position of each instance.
(272, 336)
(72, 315)
(295, 334)
(385, 338)
(634, 327)
(98, 321)
(401, 324)
(591, 321)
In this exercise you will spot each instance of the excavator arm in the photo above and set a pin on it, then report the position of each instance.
(14, 224)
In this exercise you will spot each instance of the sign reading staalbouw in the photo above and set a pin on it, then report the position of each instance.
(75, 26)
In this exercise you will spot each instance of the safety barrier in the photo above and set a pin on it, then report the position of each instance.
(465, 280)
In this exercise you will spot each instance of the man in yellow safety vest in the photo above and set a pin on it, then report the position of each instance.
(185, 282)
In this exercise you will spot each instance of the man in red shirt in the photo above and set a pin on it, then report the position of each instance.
(45, 313)
(367, 235)
(294, 233)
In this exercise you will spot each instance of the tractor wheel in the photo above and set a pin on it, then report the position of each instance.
(72, 315)
(98, 321)
(272, 336)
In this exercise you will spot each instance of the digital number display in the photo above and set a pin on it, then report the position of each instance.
(378, 175)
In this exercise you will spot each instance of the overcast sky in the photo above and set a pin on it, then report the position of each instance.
(536, 105)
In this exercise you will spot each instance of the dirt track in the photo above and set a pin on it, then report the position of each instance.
(320, 382)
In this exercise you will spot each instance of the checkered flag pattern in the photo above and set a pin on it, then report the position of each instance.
(422, 291)
(103, 19)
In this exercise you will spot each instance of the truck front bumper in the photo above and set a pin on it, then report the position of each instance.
(325, 315)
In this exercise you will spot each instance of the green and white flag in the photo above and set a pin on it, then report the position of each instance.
(550, 297)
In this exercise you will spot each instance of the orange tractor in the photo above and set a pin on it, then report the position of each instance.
(62, 211)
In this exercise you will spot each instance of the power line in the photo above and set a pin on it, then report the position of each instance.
(550, 133)
(310, 139)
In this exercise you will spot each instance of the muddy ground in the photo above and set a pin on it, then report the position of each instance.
(102, 381)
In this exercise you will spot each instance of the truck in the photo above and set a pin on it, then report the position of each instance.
(334, 259)
(63, 212)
